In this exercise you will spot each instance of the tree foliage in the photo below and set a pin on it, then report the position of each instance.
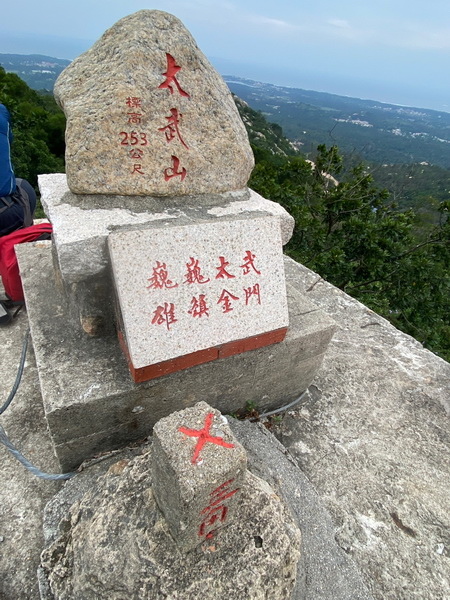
(349, 232)
(38, 127)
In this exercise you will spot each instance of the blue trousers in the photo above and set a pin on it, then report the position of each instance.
(13, 217)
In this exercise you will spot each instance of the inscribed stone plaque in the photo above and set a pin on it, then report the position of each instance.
(194, 293)
(147, 114)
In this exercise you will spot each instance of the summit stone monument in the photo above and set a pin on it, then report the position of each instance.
(148, 115)
(166, 277)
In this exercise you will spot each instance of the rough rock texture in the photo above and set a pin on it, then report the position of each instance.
(114, 544)
(372, 435)
(148, 115)
(22, 495)
(197, 493)
(351, 403)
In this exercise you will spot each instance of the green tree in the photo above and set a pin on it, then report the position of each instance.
(38, 126)
(348, 232)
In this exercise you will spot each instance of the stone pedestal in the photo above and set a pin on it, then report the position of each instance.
(90, 401)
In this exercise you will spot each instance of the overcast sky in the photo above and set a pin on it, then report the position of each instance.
(394, 51)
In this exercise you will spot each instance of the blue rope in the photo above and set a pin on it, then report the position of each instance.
(4, 438)
(26, 463)
(19, 373)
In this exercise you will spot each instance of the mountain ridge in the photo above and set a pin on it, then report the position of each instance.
(375, 131)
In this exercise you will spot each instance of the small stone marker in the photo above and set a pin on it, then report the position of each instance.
(191, 294)
(198, 471)
(147, 114)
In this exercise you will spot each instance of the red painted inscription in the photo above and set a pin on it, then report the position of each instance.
(164, 315)
(160, 278)
(222, 269)
(171, 130)
(225, 300)
(194, 273)
(204, 437)
(173, 170)
(252, 291)
(199, 306)
(249, 263)
(170, 75)
(216, 511)
(133, 102)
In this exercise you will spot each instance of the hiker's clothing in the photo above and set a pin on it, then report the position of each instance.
(7, 179)
(17, 197)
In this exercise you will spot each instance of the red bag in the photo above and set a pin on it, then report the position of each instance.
(9, 268)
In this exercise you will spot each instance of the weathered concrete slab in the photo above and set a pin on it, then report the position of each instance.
(91, 403)
(147, 114)
(193, 294)
(82, 223)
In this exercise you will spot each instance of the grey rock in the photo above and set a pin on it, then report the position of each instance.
(115, 544)
(191, 490)
(123, 136)
(373, 437)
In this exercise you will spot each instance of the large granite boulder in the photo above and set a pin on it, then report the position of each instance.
(147, 114)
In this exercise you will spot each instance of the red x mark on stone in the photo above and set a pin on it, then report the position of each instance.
(203, 437)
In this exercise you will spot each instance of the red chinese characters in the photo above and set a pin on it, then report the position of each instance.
(164, 315)
(252, 291)
(217, 301)
(225, 299)
(249, 263)
(174, 170)
(170, 75)
(172, 128)
(217, 510)
(134, 140)
(194, 273)
(199, 306)
(222, 268)
(160, 278)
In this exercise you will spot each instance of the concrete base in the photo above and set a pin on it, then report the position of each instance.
(90, 401)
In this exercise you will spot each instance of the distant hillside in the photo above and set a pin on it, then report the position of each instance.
(263, 135)
(376, 132)
(38, 71)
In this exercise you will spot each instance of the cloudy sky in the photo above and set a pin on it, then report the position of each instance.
(389, 50)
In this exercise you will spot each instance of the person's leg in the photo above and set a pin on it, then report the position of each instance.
(13, 217)
(29, 190)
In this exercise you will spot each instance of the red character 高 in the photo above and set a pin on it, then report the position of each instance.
(216, 509)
